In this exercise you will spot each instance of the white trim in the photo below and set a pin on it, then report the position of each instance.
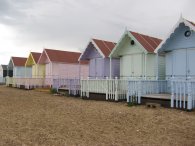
(181, 20)
(99, 50)
(118, 43)
(91, 41)
(127, 32)
(42, 55)
(84, 50)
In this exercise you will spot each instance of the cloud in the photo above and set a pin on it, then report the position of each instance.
(69, 24)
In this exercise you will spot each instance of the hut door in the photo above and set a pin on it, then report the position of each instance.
(169, 64)
(179, 63)
(190, 62)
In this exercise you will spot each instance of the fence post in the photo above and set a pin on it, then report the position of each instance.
(81, 86)
(139, 91)
(116, 89)
(87, 87)
(107, 88)
(128, 91)
(172, 94)
(189, 107)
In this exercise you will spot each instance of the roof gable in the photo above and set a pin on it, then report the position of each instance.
(4, 67)
(146, 43)
(188, 23)
(97, 49)
(90, 53)
(35, 56)
(32, 58)
(149, 43)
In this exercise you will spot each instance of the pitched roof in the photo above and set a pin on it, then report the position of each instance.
(4, 67)
(105, 47)
(62, 56)
(148, 42)
(19, 61)
(36, 56)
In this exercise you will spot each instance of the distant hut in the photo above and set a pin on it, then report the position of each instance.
(38, 70)
(3, 73)
(62, 64)
(17, 65)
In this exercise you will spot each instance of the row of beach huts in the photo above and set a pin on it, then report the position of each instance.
(138, 69)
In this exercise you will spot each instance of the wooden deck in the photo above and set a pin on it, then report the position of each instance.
(158, 96)
(164, 97)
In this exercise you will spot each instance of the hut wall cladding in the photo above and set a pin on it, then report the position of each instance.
(38, 70)
(22, 72)
(66, 70)
(100, 67)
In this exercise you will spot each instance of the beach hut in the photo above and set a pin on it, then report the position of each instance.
(3, 73)
(137, 57)
(97, 52)
(177, 91)
(179, 50)
(38, 70)
(62, 64)
(17, 65)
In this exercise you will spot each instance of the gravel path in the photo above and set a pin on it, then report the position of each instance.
(39, 118)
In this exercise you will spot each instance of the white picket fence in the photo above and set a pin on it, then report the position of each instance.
(183, 94)
(72, 85)
(182, 91)
(28, 83)
(138, 88)
(114, 89)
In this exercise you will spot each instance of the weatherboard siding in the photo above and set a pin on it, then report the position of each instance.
(126, 48)
(38, 70)
(100, 67)
(161, 67)
(65, 70)
(180, 63)
(22, 72)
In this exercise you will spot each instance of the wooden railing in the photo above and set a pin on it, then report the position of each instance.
(28, 83)
(182, 91)
(115, 89)
(138, 88)
(183, 94)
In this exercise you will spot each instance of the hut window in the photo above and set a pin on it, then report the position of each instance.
(187, 33)
(132, 42)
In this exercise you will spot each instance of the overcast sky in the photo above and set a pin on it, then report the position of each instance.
(31, 25)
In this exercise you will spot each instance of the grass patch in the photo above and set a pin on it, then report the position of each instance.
(53, 90)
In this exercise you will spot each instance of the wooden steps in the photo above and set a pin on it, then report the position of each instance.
(152, 105)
